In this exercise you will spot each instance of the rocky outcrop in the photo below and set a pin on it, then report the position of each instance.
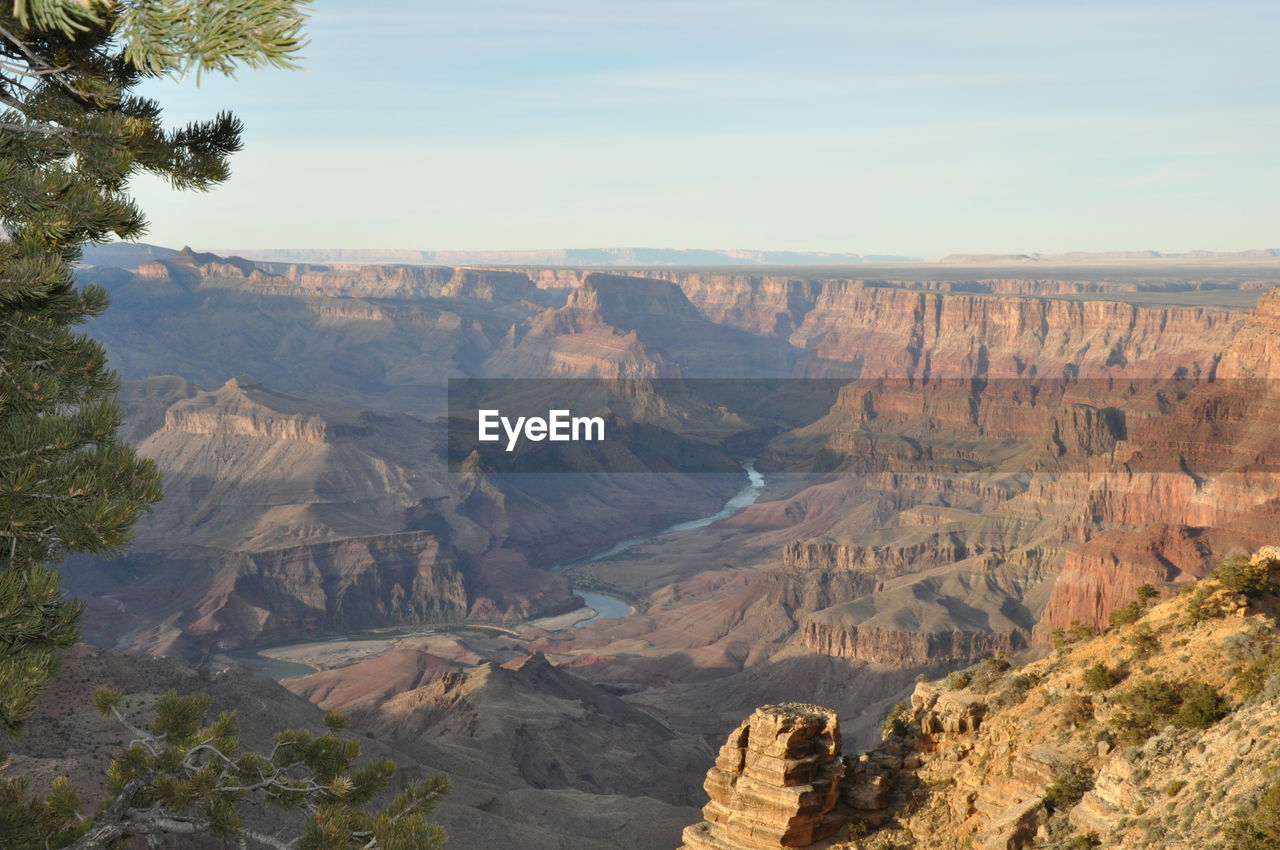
(941, 712)
(884, 325)
(525, 721)
(889, 332)
(769, 305)
(775, 783)
(234, 410)
(1103, 574)
(1114, 483)
(1255, 349)
(1187, 487)
(1010, 758)
(367, 281)
(191, 269)
(188, 268)
(407, 578)
(407, 667)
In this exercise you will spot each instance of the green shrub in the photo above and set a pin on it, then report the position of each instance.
(1126, 614)
(1243, 648)
(1152, 696)
(1076, 632)
(895, 725)
(1199, 608)
(990, 672)
(958, 681)
(1237, 574)
(1172, 789)
(1143, 641)
(1100, 677)
(1251, 680)
(1149, 703)
(1202, 706)
(1016, 689)
(996, 664)
(1146, 593)
(1067, 788)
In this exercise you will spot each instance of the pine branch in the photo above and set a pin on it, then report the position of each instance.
(267, 840)
(27, 71)
(177, 768)
(41, 66)
(42, 129)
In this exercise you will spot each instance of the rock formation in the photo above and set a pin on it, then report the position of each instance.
(775, 783)
(613, 326)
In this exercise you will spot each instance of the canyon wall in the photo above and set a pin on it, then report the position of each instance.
(1051, 440)
(902, 647)
(1216, 461)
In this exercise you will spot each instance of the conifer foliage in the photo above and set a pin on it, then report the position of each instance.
(183, 776)
(73, 131)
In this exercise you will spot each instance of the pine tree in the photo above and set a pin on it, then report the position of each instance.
(73, 132)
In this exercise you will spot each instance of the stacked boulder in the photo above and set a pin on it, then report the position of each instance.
(776, 782)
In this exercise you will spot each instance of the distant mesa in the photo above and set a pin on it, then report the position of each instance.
(1108, 257)
(575, 257)
(124, 255)
(130, 255)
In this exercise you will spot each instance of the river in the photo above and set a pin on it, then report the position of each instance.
(610, 608)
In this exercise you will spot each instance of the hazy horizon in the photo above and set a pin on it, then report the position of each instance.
(639, 257)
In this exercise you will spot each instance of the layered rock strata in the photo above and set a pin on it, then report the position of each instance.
(825, 633)
(775, 783)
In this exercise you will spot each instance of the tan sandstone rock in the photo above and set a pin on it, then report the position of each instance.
(775, 782)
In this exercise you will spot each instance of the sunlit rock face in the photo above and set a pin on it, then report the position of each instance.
(775, 783)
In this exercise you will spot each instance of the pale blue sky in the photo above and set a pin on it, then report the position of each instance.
(913, 128)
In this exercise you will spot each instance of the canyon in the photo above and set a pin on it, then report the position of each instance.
(958, 460)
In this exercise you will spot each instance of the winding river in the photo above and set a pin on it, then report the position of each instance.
(610, 608)
(605, 607)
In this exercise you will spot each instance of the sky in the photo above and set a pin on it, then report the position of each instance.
(917, 128)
